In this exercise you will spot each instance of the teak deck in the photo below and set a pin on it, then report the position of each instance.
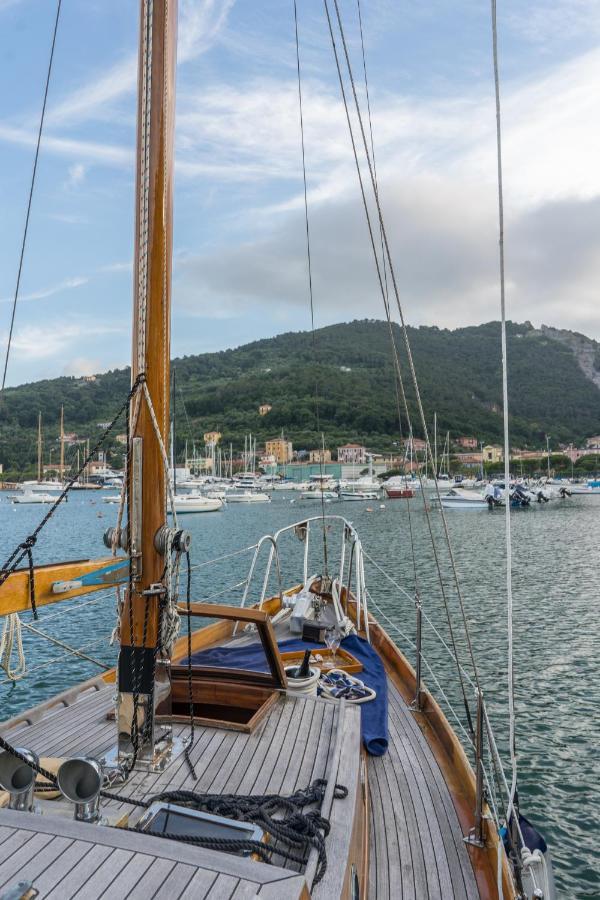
(416, 847)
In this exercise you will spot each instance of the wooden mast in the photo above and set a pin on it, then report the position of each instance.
(62, 443)
(147, 484)
(39, 447)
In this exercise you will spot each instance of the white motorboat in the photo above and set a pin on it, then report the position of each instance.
(590, 489)
(34, 497)
(458, 498)
(42, 487)
(317, 494)
(358, 495)
(197, 504)
(283, 485)
(112, 498)
(248, 497)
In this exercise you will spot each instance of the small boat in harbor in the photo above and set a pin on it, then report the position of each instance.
(459, 498)
(197, 503)
(248, 497)
(317, 494)
(347, 494)
(34, 497)
(398, 488)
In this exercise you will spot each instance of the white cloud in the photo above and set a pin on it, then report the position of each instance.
(82, 365)
(34, 342)
(75, 176)
(42, 293)
(200, 22)
(92, 151)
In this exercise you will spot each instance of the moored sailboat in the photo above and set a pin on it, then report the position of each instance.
(195, 768)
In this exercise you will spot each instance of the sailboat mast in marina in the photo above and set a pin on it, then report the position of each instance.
(146, 475)
(39, 448)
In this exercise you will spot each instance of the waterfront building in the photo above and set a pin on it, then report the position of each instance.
(352, 453)
(319, 456)
(281, 449)
(469, 443)
(492, 453)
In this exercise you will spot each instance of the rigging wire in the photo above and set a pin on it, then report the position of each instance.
(30, 200)
(397, 365)
(407, 346)
(310, 283)
(509, 594)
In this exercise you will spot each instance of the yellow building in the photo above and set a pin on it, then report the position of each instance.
(319, 456)
(212, 437)
(264, 408)
(492, 454)
(280, 449)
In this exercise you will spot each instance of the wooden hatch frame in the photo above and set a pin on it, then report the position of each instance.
(228, 697)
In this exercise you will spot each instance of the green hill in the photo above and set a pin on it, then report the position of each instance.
(550, 389)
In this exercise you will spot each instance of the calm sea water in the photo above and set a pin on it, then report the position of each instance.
(557, 627)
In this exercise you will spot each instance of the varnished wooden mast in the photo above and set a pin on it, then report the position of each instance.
(62, 444)
(39, 447)
(152, 287)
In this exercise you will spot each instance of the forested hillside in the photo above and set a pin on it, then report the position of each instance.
(459, 374)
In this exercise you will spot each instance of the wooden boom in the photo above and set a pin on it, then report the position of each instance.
(61, 581)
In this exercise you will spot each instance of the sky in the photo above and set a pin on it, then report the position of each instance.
(240, 264)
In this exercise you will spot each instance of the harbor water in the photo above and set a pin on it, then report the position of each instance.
(556, 625)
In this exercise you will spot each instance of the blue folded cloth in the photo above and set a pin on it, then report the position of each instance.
(374, 714)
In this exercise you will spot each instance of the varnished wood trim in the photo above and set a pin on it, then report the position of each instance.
(14, 593)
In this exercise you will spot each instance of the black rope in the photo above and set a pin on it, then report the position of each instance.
(296, 829)
(32, 185)
(27, 547)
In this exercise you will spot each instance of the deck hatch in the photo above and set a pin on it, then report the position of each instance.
(168, 818)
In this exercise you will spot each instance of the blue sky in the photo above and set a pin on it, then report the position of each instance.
(240, 263)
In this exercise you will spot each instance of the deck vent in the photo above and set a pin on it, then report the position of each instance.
(18, 778)
(80, 780)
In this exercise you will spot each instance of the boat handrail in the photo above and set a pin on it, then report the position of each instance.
(349, 535)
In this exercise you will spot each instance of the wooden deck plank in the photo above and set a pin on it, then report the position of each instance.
(456, 852)
(221, 887)
(290, 889)
(340, 812)
(399, 772)
(439, 883)
(244, 891)
(176, 886)
(104, 876)
(59, 867)
(61, 717)
(393, 847)
(256, 778)
(159, 872)
(425, 844)
(18, 852)
(82, 874)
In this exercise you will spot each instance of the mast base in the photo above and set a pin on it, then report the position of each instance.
(117, 760)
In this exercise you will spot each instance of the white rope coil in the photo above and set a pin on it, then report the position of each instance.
(12, 639)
